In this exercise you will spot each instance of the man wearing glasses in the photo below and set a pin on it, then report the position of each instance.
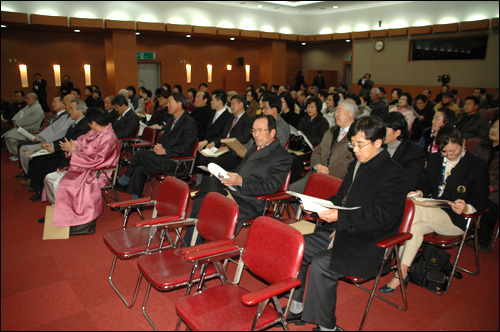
(376, 184)
(262, 171)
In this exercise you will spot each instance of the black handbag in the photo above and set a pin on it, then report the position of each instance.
(431, 268)
(298, 143)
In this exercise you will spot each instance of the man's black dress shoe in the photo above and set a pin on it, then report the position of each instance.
(31, 189)
(22, 175)
(41, 220)
(37, 197)
(120, 187)
(294, 318)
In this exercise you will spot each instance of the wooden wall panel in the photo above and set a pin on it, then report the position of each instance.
(123, 25)
(49, 20)
(86, 22)
(438, 28)
(14, 17)
(379, 33)
(475, 25)
(151, 26)
(420, 30)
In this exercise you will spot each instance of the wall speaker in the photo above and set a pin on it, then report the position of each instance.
(241, 61)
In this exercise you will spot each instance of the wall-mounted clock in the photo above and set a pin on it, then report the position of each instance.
(379, 45)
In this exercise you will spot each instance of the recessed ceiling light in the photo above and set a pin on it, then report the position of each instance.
(77, 30)
(232, 38)
(188, 36)
(259, 6)
(137, 33)
(303, 43)
(347, 40)
(4, 26)
(335, 7)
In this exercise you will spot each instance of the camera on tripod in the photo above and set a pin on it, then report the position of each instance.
(445, 79)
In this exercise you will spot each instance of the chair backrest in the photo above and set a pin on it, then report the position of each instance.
(488, 113)
(173, 197)
(149, 135)
(160, 134)
(273, 250)
(471, 143)
(218, 217)
(286, 183)
(322, 185)
(407, 217)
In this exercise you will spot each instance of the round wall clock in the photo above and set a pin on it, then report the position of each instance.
(379, 45)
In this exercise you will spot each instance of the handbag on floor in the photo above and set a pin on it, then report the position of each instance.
(431, 268)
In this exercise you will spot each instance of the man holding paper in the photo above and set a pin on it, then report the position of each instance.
(378, 185)
(29, 118)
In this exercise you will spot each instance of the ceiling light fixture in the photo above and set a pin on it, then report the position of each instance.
(232, 38)
(347, 40)
(335, 7)
(188, 36)
(137, 33)
(259, 6)
(303, 43)
(77, 30)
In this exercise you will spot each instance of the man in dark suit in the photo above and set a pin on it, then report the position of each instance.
(319, 81)
(262, 171)
(127, 123)
(471, 123)
(402, 150)
(378, 185)
(239, 127)
(66, 86)
(177, 141)
(112, 113)
(217, 119)
(202, 112)
(40, 166)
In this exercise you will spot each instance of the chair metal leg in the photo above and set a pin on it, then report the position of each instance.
(144, 308)
(118, 292)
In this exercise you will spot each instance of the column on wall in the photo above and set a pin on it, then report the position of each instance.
(272, 62)
(121, 59)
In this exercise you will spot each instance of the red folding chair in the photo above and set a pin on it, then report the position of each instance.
(391, 246)
(131, 242)
(178, 161)
(230, 307)
(167, 269)
(449, 241)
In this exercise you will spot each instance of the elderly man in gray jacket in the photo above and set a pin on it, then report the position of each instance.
(29, 118)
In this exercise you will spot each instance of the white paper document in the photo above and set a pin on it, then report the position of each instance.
(216, 171)
(212, 152)
(23, 132)
(431, 202)
(315, 204)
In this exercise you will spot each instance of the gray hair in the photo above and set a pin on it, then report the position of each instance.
(80, 105)
(350, 106)
(33, 95)
(124, 93)
(377, 90)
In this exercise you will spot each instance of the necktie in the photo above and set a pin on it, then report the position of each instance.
(232, 126)
(173, 124)
(341, 135)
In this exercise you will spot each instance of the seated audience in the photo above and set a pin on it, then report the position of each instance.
(40, 166)
(160, 115)
(425, 112)
(89, 101)
(456, 99)
(108, 106)
(332, 156)
(288, 110)
(402, 150)
(378, 107)
(56, 129)
(191, 96)
(272, 106)
(481, 94)
(488, 150)
(332, 100)
(471, 123)
(96, 95)
(427, 93)
(18, 104)
(404, 108)
(133, 97)
(218, 118)
(127, 123)
(441, 118)
(66, 86)
(447, 101)
(252, 103)
(313, 124)
(378, 185)
(364, 105)
(202, 113)
(177, 141)
(28, 118)
(76, 192)
(383, 96)
(444, 88)
(465, 185)
(238, 127)
(262, 171)
(395, 94)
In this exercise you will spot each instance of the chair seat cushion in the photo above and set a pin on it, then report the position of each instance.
(131, 241)
(167, 269)
(442, 239)
(276, 197)
(220, 308)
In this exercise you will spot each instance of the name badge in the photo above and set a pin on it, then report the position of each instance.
(461, 189)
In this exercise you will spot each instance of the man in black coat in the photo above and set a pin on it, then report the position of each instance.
(177, 141)
(376, 184)
(128, 122)
(218, 118)
(40, 166)
(202, 113)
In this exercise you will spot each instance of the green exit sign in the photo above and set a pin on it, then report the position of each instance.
(146, 55)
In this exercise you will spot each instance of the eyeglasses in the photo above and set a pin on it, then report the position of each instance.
(353, 146)
(451, 153)
(260, 131)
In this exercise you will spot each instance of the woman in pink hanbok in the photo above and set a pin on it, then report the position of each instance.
(78, 201)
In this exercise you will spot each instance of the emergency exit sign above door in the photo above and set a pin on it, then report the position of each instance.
(146, 55)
